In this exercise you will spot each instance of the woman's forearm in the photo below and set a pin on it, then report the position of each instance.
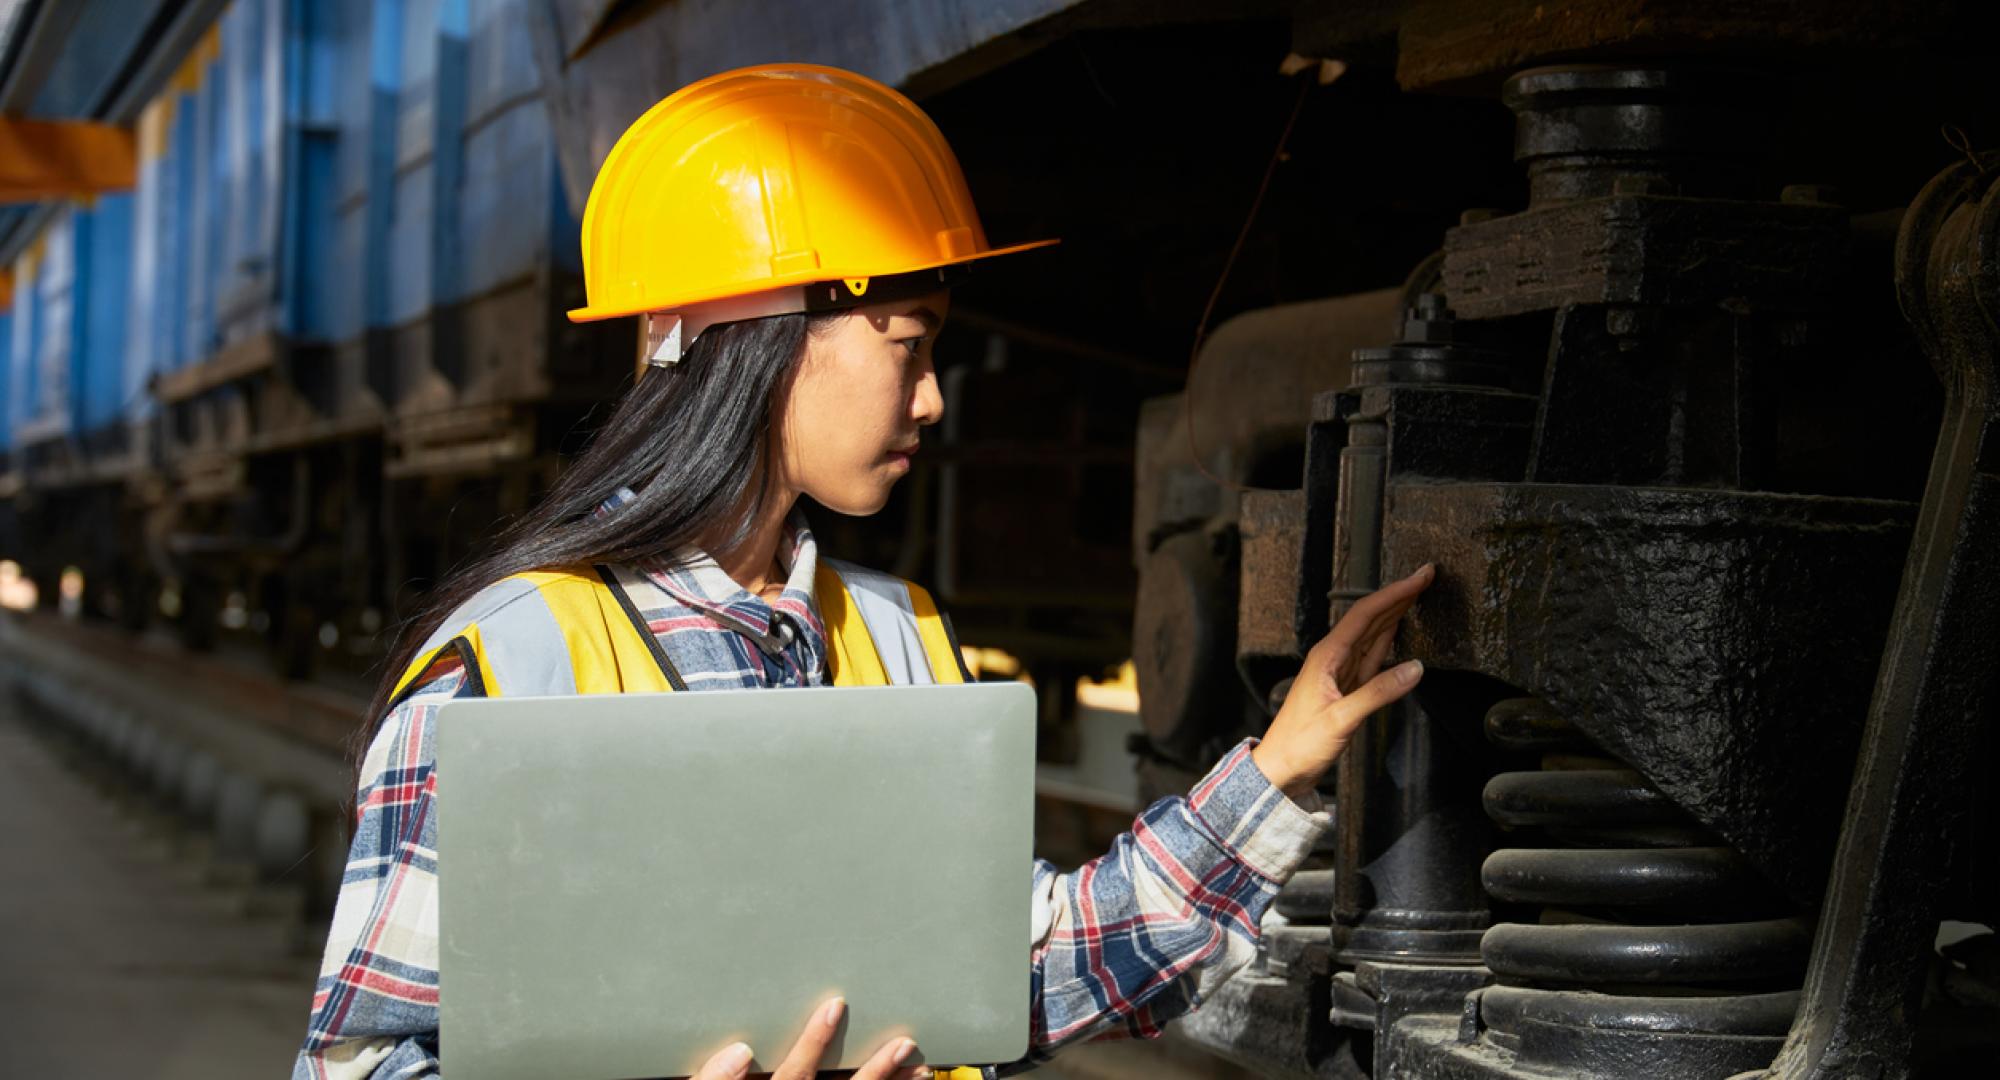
(1140, 934)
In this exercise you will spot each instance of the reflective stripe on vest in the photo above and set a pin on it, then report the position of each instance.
(551, 632)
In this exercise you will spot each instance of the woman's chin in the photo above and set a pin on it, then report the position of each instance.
(862, 502)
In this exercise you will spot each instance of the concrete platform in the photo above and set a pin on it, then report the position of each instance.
(118, 962)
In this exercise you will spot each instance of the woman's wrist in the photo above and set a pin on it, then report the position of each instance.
(1270, 760)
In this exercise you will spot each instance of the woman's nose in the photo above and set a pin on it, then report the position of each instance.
(927, 405)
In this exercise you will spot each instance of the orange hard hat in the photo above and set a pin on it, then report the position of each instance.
(739, 190)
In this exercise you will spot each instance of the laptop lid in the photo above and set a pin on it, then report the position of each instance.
(630, 882)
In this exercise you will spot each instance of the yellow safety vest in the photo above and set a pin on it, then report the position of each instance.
(565, 632)
(552, 632)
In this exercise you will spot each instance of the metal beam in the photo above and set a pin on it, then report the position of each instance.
(42, 159)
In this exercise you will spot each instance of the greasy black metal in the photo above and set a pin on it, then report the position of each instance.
(1687, 878)
(1512, 1009)
(1671, 397)
(1400, 990)
(1430, 351)
(1586, 131)
(1656, 948)
(1935, 689)
(1307, 897)
(1637, 547)
(1411, 821)
(1598, 796)
(1527, 723)
(1430, 1047)
(1667, 623)
(1588, 955)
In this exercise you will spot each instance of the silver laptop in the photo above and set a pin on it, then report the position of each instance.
(631, 882)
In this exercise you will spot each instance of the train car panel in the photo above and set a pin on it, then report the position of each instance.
(104, 280)
(503, 216)
(43, 353)
(249, 74)
(309, 241)
(6, 381)
(21, 374)
(412, 203)
(150, 334)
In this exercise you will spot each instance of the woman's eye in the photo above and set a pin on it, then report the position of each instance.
(913, 344)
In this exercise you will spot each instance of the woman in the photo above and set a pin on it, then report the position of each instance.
(789, 234)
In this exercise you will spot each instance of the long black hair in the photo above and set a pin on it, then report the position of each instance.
(691, 440)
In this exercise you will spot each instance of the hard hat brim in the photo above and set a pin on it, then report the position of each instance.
(669, 303)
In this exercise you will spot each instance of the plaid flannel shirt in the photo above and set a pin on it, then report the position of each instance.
(1121, 945)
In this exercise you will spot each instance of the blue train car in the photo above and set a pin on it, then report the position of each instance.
(67, 395)
(337, 282)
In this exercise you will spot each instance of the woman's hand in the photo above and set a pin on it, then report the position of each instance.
(1338, 687)
(733, 1062)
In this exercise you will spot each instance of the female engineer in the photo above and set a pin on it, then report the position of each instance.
(789, 235)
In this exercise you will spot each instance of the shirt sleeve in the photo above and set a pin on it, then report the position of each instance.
(374, 1010)
(1146, 932)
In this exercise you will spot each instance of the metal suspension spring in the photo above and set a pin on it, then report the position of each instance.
(1650, 928)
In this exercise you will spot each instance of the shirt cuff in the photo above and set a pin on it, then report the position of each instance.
(1253, 819)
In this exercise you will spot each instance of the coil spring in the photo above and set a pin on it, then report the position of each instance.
(1648, 923)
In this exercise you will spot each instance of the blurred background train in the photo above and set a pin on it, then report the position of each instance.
(268, 385)
(1640, 316)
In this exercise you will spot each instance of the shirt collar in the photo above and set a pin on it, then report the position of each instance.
(693, 577)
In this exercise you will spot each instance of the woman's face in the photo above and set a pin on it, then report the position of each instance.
(848, 421)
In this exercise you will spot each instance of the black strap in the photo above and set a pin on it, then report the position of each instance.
(957, 651)
(645, 632)
(463, 648)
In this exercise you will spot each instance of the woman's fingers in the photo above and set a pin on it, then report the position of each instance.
(732, 1062)
(803, 1062)
(1383, 606)
(1380, 692)
(1364, 635)
(1354, 710)
(889, 1062)
(1378, 652)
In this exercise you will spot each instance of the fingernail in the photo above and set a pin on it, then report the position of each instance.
(1409, 671)
(1423, 570)
(904, 1052)
(831, 1014)
(736, 1059)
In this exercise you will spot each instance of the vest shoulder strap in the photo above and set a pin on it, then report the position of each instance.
(545, 632)
(882, 629)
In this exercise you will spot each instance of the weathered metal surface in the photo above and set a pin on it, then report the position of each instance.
(1408, 801)
(1936, 688)
(1716, 700)
(1271, 631)
(1645, 249)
